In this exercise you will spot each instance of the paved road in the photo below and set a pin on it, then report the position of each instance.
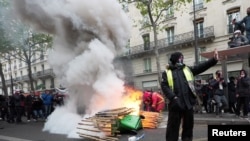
(32, 131)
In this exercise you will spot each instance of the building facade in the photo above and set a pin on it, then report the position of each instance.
(16, 74)
(214, 27)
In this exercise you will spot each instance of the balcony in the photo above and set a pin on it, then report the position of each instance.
(147, 71)
(43, 74)
(38, 75)
(185, 39)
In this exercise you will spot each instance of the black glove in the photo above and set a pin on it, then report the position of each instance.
(176, 104)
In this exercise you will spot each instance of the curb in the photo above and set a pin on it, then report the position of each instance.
(224, 119)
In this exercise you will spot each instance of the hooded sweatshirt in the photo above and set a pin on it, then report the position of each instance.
(243, 85)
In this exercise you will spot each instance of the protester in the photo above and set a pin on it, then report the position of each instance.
(147, 100)
(28, 106)
(242, 93)
(219, 84)
(11, 109)
(237, 40)
(37, 105)
(19, 105)
(178, 86)
(246, 21)
(158, 102)
(232, 95)
(47, 99)
(3, 108)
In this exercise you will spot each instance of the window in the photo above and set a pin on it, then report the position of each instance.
(147, 65)
(199, 26)
(198, 4)
(42, 67)
(128, 48)
(145, 22)
(52, 83)
(201, 50)
(34, 69)
(170, 35)
(232, 14)
(168, 58)
(146, 41)
(150, 85)
(170, 12)
(44, 83)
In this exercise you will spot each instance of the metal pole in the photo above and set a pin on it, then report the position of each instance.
(195, 36)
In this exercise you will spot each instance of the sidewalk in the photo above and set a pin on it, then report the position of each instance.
(224, 118)
(210, 118)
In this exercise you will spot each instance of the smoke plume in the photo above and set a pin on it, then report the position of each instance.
(88, 34)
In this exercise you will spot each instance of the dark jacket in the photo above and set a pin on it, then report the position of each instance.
(243, 86)
(37, 103)
(231, 91)
(181, 87)
(215, 85)
(246, 21)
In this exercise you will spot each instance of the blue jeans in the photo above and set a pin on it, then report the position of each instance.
(47, 110)
(38, 113)
(221, 103)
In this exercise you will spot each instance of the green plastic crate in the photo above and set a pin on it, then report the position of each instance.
(130, 122)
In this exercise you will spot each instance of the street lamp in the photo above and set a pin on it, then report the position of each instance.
(195, 35)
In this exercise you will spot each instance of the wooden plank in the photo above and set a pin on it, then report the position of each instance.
(242, 50)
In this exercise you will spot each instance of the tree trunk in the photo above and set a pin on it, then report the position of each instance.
(157, 55)
(30, 77)
(4, 88)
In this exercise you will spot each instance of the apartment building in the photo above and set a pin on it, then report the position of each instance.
(213, 20)
(16, 74)
(214, 27)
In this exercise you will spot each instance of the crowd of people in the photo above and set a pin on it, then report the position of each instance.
(34, 106)
(237, 100)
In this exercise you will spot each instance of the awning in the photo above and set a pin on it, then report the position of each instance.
(230, 53)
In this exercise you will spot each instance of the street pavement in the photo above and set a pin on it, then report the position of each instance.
(32, 131)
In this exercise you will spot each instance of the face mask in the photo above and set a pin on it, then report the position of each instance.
(180, 62)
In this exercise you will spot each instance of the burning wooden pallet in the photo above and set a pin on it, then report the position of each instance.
(151, 119)
(104, 125)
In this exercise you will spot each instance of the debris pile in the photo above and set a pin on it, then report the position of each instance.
(104, 126)
(151, 119)
(108, 125)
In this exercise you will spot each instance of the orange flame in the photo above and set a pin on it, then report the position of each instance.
(132, 99)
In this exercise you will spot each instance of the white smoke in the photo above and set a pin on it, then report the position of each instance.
(88, 34)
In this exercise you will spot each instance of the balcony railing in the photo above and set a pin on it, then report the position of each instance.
(38, 75)
(198, 6)
(208, 32)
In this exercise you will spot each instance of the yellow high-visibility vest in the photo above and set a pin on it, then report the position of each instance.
(189, 76)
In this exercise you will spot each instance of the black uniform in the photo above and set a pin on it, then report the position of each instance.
(182, 107)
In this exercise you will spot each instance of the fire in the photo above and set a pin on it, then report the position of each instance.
(132, 99)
